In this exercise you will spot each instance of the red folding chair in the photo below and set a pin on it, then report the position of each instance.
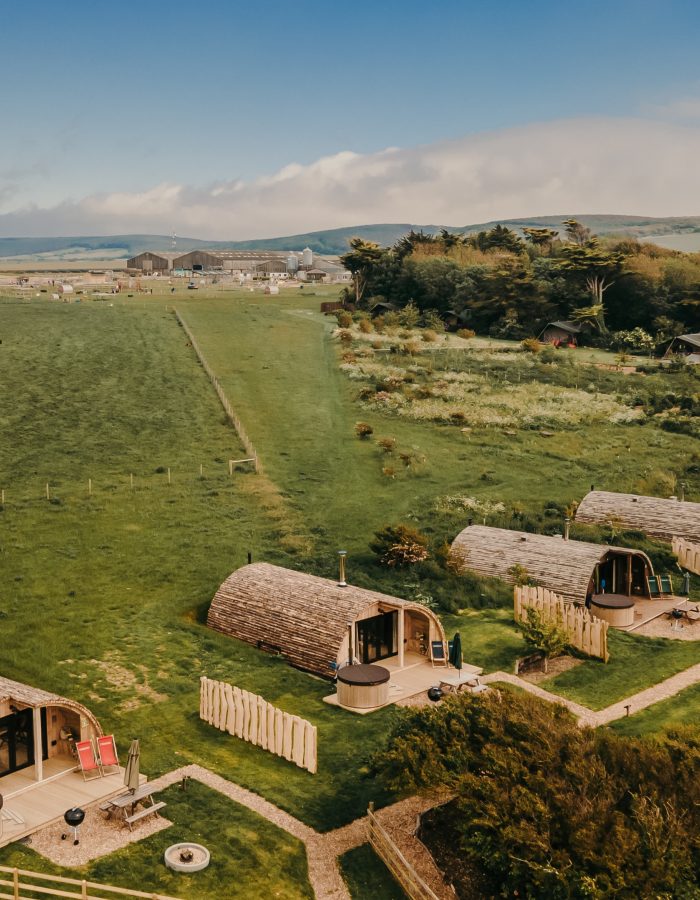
(107, 750)
(89, 763)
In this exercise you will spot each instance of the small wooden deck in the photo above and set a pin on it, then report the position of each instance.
(645, 610)
(40, 803)
(416, 676)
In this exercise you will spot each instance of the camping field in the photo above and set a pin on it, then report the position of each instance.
(107, 580)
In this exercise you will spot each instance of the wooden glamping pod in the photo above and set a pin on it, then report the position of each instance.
(656, 516)
(317, 624)
(572, 569)
(31, 719)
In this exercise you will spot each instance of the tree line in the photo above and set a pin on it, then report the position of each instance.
(499, 283)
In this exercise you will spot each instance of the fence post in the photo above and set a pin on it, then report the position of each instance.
(15, 883)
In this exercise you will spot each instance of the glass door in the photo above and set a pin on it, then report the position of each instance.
(376, 637)
(16, 741)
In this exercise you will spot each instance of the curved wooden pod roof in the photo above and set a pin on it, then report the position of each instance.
(36, 698)
(305, 617)
(661, 518)
(562, 566)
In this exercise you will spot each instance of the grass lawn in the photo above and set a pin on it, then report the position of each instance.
(367, 877)
(635, 664)
(250, 857)
(678, 711)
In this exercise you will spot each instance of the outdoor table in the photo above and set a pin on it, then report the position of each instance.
(456, 683)
(615, 609)
(131, 799)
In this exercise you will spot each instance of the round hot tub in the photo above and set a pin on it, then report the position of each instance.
(363, 687)
(616, 609)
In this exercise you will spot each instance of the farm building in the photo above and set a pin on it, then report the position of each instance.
(198, 261)
(560, 334)
(687, 345)
(318, 624)
(655, 516)
(572, 569)
(151, 261)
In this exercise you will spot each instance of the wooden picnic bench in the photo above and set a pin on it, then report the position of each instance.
(126, 805)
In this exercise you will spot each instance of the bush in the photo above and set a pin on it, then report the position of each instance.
(400, 545)
(344, 318)
(410, 348)
(365, 326)
(409, 316)
(388, 444)
(345, 336)
(547, 637)
(363, 430)
(531, 345)
(429, 336)
(466, 333)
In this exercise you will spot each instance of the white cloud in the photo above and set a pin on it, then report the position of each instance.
(632, 166)
(681, 109)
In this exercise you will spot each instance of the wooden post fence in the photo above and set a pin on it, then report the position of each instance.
(251, 718)
(688, 554)
(586, 633)
(382, 844)
(24, 884)
(228, 409)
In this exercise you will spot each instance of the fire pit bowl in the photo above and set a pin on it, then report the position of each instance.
(187, 857)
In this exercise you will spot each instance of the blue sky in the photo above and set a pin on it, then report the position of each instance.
(110, 99)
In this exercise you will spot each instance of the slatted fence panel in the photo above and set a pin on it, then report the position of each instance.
(688, 554)
(251, 718)
(587, 633)
(24, 884)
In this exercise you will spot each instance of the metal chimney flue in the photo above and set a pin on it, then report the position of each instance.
(342, 555)
(567, 526)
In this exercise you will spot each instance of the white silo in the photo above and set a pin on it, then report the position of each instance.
(307, 257)
(292, 263)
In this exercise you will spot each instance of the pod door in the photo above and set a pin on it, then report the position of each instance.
(376, 637)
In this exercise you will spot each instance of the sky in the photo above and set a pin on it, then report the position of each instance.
(224, 120)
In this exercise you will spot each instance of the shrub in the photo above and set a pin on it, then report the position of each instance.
(365, 326)
(466, 333)
(530, 345)
(411, 348)
(378, 322)
(432, 319)
(349, 357)
(400, 545)
(409, 316)
(547, 637)
(363, 430)
(389, 472)
(391, 319)
(345, 336)
(376, 345)
(520, 575)
(388, 444)
(344, 318)
(429, 336)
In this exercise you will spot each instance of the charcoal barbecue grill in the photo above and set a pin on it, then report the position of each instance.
(74, 819)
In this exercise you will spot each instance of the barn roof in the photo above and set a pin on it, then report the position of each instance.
(653, 515)
(35, 697)
(561, 565)
(305, 617)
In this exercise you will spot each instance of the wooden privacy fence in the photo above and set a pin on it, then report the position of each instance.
(228, 409)
(23, 884)
(253, 719)
(382, 844)
(586, 633)
(688, 554)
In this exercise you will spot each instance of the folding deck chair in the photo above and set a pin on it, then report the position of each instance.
(107, 750)
(89, 763)
(438, 653)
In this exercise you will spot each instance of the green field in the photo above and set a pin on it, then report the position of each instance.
(113, 587)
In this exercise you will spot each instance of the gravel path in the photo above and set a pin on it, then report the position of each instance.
(662, 691)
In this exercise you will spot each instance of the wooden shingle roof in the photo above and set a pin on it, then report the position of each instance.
(305, 617)
(565, 567)
(656, 516)
(15, 691)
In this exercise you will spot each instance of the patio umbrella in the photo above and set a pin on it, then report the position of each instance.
(131, 772)
(456, 652)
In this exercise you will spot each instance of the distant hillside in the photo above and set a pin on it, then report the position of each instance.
(677, 233)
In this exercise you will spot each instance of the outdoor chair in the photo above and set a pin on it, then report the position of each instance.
(107, 750)
(89, 763)
(438, 653)
(8, 815)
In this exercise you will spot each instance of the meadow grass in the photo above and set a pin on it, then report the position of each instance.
(680, 711)
(366, 876)
(113, 588)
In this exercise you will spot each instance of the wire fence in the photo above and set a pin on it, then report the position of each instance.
(228, 409)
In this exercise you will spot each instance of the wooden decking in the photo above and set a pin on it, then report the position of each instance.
(645, 610)
(40, 803)
(416, 676)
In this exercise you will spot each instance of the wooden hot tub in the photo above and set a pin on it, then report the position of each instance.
(616, 609)
(362, 686)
